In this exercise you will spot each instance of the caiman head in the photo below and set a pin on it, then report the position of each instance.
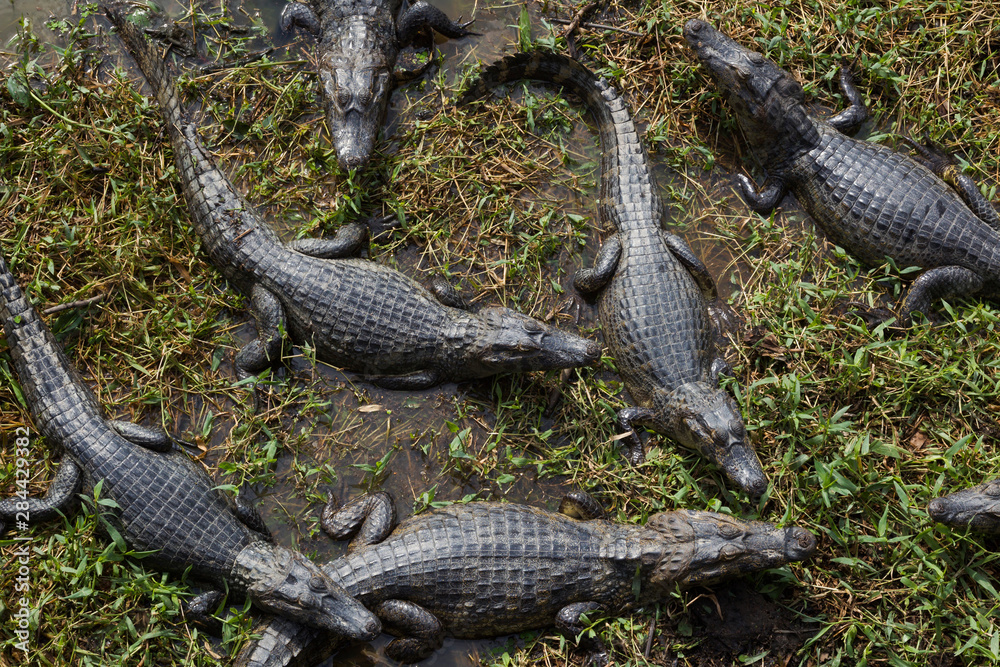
(356, 80)
(977, 508)
(513, 342)
(710, 422)
(287, 584)
(767, 101)
(693, 548)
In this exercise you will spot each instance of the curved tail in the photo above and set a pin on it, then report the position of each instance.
(625, 171)
(554, 68)
(153, 67)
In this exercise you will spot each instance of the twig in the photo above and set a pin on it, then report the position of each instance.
(73, 304)
(597, 26)
(575, 23)
(649, 639)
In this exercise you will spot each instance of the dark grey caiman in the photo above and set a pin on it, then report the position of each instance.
(165, 503)
(977, 508)
(870, 200)
(653, 293)
(490, 569)
(355, 313)
(359, 41)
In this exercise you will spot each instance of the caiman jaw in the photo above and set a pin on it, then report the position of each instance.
(977, 508)
(288, 584)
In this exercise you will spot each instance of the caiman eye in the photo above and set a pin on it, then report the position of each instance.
(993, 490)
(729, 531)
(317, 584)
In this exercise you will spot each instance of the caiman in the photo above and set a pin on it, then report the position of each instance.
(977, 508)
(653, 293)
(355, 313)
(874, 202)
(164, 503)
(488, 569)
(359, 41)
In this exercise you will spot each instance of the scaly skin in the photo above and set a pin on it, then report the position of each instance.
(977, 508)
(872, 201)
(653, 293)
(490, 569)
(359, 41)
(356, 314)
(166, 503)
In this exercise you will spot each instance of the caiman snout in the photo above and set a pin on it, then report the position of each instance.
(287, 584)
(977, 508)
(513, 342)
(799, 544)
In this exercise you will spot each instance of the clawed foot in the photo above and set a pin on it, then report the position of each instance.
(872, 317)
(381, 227)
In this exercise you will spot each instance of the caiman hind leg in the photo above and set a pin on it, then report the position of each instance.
(348, 242)
(265, 350)
(943, 165)
(570, 624)
(589, 282)
(763, 201)
(372, 516)
(850, 118)
(419, 632)
(939, 283)
(62, 493)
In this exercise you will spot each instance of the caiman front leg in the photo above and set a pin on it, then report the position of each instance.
(628, 419)
(265, 350)
(765, 200)
(297, 14)
(372, 516)
(411, 381)
(944, 166)
(581, 505)
(62, 492)
(939, 283)
(248, 514)
(683, 252)
(155, 439)
(421, 15)
(199, 610)
(569, 623)
(419, 632)
(446, 293)
(851, 117)
(589, 282)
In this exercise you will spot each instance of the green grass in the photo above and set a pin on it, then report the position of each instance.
(857, 429)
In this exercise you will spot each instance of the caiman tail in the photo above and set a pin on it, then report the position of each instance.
(557, 69)
(153, 66)
(619, 138)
